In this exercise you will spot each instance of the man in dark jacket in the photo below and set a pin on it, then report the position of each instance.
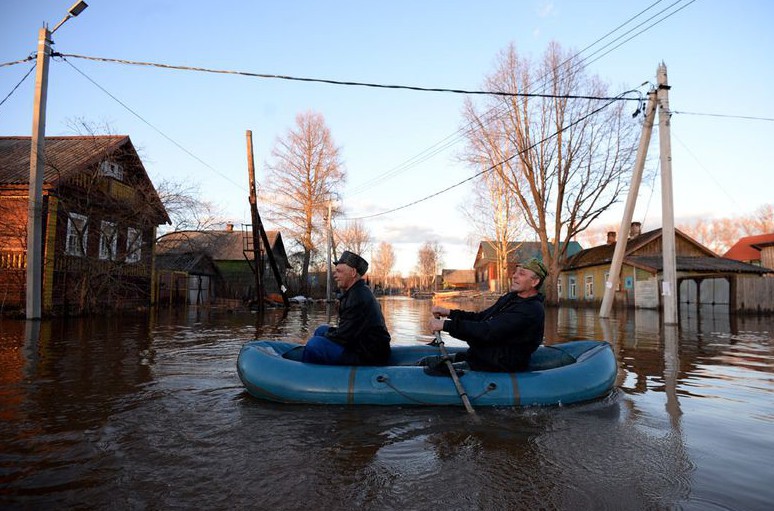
(361, 338)
(502, 337)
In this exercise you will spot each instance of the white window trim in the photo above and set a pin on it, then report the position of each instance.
(112, 169)
(572, 287)
(77, 235)
(588, 287)
(108, 240)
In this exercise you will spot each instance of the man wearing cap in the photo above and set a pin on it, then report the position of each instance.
(361, 338)
(502, 337)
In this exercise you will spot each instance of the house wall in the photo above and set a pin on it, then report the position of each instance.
(753, 294)
(767, 257)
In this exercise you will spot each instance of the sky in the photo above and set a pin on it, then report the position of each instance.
(398, 146)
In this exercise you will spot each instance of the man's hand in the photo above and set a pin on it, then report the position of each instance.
(436, 325)
(439, 311)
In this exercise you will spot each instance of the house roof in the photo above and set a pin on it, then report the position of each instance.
(67, 156)
(709, 263)
(459, 276)
(749, 247)
(193, 263)
(228, 245)
(518, 250)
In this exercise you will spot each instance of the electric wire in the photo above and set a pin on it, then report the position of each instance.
(482, 172)
(157, 130)
(31, 57)
(32, 67)
(342, 82)
(727, 116)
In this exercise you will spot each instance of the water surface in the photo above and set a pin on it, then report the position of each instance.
(138, 412)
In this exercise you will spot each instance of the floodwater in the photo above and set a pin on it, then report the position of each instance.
(138, 412)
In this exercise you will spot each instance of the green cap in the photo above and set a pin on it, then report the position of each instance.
(536, 266)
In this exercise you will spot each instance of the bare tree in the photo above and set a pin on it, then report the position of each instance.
(185, 207)
(382, 263)
(354, 236)
(497, 220)
(429, 262)
(565, 161)
(304, 175)
(762, 221)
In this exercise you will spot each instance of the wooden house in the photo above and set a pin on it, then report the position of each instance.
(703, 277)
(458, 279)
(757, 250)
(232, 255)
(488, 261)
(100, 215)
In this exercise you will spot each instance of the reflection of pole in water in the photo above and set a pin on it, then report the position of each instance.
(31, 343)
(671, 374)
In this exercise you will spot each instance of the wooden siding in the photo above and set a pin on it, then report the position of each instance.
(753, 294)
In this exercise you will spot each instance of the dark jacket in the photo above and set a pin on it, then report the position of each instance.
(502, 337)
(361, 328)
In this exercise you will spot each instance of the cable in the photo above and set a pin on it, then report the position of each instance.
(18, 84)
(747, 117)
(241, 187)
(339, 82)
(481, 173)
(31, 57)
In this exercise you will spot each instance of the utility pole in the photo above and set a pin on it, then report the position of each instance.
(669, 282)
(657, 99)
(37, 169)
(257, 259)
(623, 230)
(329, 244)
(38, 166)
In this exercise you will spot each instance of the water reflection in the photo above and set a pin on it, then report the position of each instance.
(147, 412)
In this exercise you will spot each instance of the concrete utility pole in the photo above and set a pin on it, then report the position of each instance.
(669, 283)
(623, 230)
(37, 168)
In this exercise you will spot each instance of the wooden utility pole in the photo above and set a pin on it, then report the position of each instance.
(257, 258)
(623, 230)
(669, 275)
(257, 227)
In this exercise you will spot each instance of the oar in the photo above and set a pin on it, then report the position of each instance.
(455, 378)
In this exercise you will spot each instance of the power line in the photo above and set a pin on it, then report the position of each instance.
(31, 57)
(492, 167)
(342, 82)
(728, 116)
(18, 84)
(157, 130)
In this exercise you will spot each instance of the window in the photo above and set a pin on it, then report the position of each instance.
(589, 285)
(112, 169)
(133, 245)
(559, 287)
(108, 240)
(572, 290)
(77, 235)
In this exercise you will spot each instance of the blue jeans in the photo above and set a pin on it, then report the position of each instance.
(321, 350)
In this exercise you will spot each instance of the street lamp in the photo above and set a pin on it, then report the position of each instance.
(37, 167)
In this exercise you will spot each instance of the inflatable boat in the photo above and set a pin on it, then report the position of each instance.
(558, 374)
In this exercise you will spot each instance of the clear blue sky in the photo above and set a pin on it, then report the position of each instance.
(718, 55)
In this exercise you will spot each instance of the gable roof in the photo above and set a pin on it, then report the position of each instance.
(518, 250)
(67, 156)
(749, 247)
(459, 276)
(227, 245)
(709, 262)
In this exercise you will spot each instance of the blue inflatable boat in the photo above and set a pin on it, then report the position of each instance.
(558, 374)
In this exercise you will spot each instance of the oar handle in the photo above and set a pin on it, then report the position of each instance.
(453, 373)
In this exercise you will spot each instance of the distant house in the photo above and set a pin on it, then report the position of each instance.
(232, 257)
(458, 279)
(703, 278)
(100, 215)
(486, 264)
(758, 250)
